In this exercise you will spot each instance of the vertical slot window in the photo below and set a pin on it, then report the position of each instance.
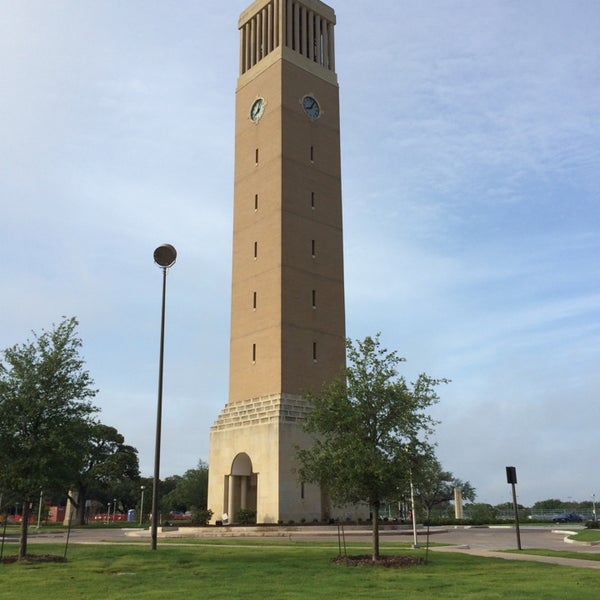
(312, 200)
(314, 351)
(256, 156)
(253, 353)
(255, 250)
(254, 299)
(313, 248)
(312, 154)
(314, 298)
(255, 202)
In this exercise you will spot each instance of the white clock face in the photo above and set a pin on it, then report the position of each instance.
(257, 110)
(311, 107)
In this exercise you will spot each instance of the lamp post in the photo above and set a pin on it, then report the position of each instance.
(40, 508)
(594, 506)
(114, 509)
(165, 257)
(142, 505)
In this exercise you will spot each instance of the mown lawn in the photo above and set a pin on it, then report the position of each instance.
(290, 571)
(587, 535)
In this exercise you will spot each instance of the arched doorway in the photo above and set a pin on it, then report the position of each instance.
(241, 486)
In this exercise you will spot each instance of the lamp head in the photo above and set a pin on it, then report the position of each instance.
(165, 256)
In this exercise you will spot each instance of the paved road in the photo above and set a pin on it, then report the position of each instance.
(505, 538)
(488, 543)
(484, 538)
(475, 538)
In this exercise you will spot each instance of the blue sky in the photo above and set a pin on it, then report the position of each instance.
(471, 185)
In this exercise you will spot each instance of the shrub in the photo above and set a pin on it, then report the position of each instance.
(201, 516)
(245, 517)
(593, 524)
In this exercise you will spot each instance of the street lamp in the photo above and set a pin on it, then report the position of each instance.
(594, 506)
(142, 505)
(165, 257)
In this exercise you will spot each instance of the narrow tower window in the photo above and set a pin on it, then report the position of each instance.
(312, 154)
(314, 248)
(255, 249)
(312, 200)
(255, 201)
(314, 350)
(254, 300)
(314, 298)
(256, 156)
(253, 353)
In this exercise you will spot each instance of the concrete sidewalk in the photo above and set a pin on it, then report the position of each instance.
(554, 560)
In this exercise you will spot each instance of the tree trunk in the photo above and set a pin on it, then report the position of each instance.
(80, 505)
(375, 524)
(24, 526)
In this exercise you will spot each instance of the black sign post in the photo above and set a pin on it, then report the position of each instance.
(511, 477)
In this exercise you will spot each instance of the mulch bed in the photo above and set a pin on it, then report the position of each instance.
(36, 558)
(390, 562)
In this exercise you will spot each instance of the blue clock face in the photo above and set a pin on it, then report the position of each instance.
(257, 109)
(311, 107)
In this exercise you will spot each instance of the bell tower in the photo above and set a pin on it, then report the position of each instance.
(287, 307)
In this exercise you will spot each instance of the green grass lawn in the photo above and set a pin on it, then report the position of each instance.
(587, 535)
(285, 571)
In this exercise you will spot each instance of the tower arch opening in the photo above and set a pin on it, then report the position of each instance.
(242, 484)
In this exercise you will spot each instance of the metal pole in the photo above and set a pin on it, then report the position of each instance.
(40, 509)
(414, 516)
(142, 507)
(514, 495)
(155, 509)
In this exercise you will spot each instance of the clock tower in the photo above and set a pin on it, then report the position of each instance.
(287, 306)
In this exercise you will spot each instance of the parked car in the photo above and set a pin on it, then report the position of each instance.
(567, 518)
(176, 515)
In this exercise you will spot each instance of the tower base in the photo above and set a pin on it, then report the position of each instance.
(252, 462)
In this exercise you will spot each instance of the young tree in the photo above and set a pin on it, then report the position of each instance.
(367, 426)
(45, 413)
(434, 487)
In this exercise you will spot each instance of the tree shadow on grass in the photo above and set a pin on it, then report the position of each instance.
(35, 558)
(390, 562)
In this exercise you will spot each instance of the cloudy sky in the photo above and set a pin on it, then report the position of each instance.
(471, 183)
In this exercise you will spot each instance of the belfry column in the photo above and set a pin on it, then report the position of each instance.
(230, 505)
(244, 492)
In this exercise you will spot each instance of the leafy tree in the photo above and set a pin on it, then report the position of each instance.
(45, 414)
(190, 491)
(109, 462)
(481, 512)
(367, 426)
(434, 487)
(468, 491)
